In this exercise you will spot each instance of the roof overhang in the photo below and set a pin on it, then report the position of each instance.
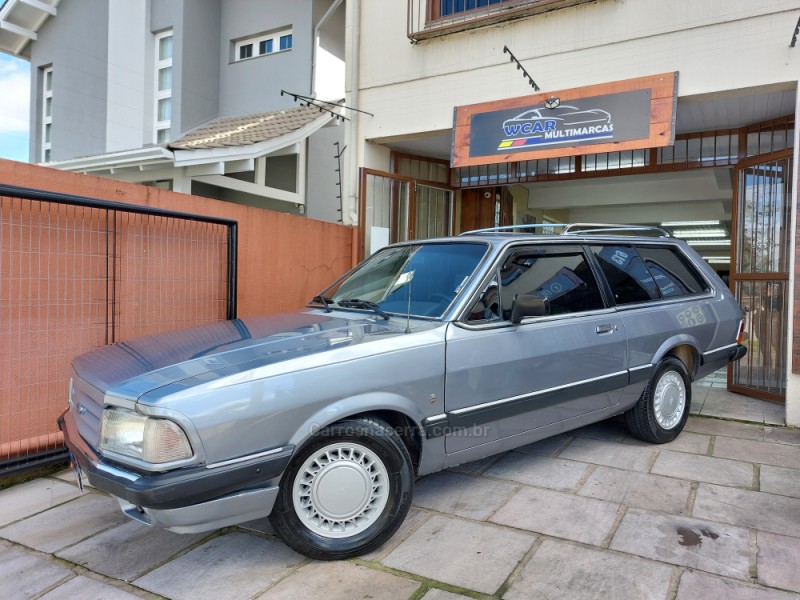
(186, 158)
(139, 158)
(20, 21)
(203, 161)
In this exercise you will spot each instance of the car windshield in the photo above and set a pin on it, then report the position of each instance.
(419, 280)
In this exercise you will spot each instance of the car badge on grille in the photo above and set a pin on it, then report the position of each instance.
(81, 409)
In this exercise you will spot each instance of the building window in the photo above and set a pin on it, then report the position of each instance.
(265, 43)
(163, 95)
(445, 8)
(432, 18)
(47, 112)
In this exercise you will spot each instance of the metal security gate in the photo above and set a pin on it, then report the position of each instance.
(78, 273)
(760, 272)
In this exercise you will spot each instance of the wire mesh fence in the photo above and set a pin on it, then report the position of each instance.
(76, 274)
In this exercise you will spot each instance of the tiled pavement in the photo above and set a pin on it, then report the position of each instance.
(590, 514)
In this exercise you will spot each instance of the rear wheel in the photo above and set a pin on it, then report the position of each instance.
(663, 408)
(346, 492)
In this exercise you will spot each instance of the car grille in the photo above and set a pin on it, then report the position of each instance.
(87, 409)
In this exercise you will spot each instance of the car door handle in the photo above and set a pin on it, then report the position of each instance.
(601, 329)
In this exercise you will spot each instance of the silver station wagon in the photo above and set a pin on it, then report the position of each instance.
(427, 355)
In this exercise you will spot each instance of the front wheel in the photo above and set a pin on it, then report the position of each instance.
(662, 409)
(346, 492)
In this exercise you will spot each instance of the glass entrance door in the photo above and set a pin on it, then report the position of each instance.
(760, 273)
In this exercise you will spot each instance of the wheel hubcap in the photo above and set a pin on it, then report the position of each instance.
(341, 490)
(669, 400)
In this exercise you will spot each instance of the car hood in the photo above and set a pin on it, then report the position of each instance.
(131, 369)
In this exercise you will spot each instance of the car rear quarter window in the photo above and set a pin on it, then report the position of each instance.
(673, 275)
(626, 273)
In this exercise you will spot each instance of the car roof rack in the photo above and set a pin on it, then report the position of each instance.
(513, 228)
(573, 229)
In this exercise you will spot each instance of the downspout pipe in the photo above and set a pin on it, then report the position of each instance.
(315, 42)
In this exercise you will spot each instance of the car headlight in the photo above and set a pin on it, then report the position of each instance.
(145, 438)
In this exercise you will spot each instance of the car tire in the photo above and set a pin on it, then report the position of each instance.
(346, 491)
(663, 408)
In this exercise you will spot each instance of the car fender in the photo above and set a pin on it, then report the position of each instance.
(681, 339)
(354, 405)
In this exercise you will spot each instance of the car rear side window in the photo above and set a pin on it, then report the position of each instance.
(673, 275)
(626, 273)
(564, 277)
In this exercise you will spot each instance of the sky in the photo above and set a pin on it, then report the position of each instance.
(14, 107)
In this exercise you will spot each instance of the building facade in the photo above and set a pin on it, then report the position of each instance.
(186, 94)
(679, 115)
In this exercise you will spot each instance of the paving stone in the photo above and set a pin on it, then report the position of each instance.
(437, 594)
(242, 565)
(759, 510)
(694, 443)
(541, 471)
(704, 545)
(724, 409)
(780, 480)
(782, 435)
(641, 490)
(127, 551)
(475, 556)
(32, 497)
(25, 575)
(696, 585)
(547, 447)
(780, 455)
(561, 515)
(67, 523)
(476, 466)
(68, 475)
(571, 572)
(726, 428)
(778, 560)
(608, 430)
(413, 519)
(341, 581)
(260, 525)
(463, 495)
(85, 587)
(610, 454)
(704, 468)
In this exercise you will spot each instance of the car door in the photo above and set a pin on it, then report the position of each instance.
(504, 379)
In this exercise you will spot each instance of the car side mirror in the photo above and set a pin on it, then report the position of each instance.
(528, 305)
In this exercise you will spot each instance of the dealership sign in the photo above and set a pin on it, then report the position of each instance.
(625, 115)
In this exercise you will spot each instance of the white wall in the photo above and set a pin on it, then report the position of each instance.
(129, 84)
(715, 45)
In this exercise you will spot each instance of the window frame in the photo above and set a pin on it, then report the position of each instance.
(162, 127)
(689, 264)
(47, 119)
(256, 41)
(494, 276)
(435, 9)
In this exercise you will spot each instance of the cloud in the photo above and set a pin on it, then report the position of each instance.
(14, 95)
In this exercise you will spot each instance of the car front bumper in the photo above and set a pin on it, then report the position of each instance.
(187, 500)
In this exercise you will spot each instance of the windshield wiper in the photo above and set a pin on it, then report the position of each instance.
(324, 300)
(358, 303)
